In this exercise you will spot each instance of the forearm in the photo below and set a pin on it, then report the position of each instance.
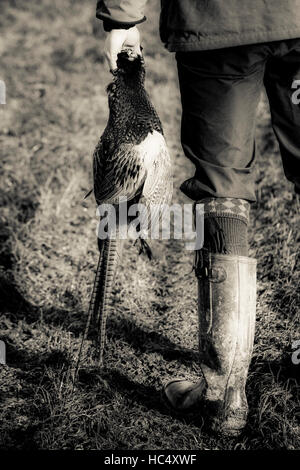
(117, 14)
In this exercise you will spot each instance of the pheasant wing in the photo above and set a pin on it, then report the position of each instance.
(118, 175)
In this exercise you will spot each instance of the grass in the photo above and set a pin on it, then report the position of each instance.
(51, 61)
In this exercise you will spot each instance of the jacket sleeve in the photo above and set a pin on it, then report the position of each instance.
(118, 14)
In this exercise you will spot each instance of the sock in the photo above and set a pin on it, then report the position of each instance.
(226, 225)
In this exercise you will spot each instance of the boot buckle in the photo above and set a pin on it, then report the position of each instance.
(216, 274)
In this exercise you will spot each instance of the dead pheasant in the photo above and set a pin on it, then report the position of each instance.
(131, 161)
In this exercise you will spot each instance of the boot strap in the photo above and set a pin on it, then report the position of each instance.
(203, 269)
(216, 275)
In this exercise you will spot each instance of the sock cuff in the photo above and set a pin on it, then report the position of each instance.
(226, 207)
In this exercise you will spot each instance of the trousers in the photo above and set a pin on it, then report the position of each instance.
(220, 91)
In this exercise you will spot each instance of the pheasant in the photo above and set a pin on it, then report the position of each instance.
(130, 161)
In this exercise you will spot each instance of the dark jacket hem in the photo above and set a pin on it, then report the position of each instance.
(229, 40)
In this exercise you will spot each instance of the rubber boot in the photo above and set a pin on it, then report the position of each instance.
(227, 306)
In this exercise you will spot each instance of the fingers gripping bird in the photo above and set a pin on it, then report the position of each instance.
(130, 161)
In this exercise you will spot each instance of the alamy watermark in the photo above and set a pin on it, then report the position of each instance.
(2, 92)
(296, 95)
(181, 222)
(296, 353)
(2, 352)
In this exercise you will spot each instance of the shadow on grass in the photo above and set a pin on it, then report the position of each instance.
(15, 307)
(25, 360)
(13, 304)
(146, 396)
(143, 340)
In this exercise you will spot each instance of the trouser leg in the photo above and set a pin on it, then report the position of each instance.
(282, 72)
(220, 91)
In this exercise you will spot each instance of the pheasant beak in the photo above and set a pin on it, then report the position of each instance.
(131, 55)
(130, 63)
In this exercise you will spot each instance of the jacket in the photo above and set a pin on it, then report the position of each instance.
(190, 25)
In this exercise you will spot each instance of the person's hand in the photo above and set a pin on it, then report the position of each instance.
(117, 39)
